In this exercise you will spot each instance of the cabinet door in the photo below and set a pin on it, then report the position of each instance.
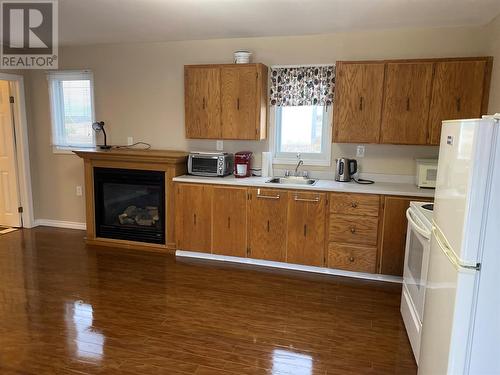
(394, 227)
(457, 93)
(193, 217)
(406, 103)
(358, 102)
(267, 224)
(239, 103)
(202, 102)
(306, 228)
(229, 221)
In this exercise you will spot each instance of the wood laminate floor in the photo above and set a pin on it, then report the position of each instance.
(70, 309)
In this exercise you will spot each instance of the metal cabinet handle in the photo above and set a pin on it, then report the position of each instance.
(305, 230)
(268, 226)
(354, 204)
(238, 104)
(351, 259)
(268, 196)
(229, 222)
(203, 102)
(194, 219)
(360, 103)
(459, 104)
(353, 230)
(408, 103)
(314, 200)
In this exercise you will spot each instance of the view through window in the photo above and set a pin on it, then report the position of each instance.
(305, 130)
(72, 109)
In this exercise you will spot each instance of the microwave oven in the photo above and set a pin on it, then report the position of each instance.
(427, 173)
(217, 164)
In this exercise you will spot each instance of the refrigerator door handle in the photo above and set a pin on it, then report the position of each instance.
(450, 254)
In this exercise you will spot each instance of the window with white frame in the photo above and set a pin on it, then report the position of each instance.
(302, 98)
(304, 130)
(72, 109)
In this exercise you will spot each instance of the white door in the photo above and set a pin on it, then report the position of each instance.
(447, 314)
(9, 192)
(463, 170)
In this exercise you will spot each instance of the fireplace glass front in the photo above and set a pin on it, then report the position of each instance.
(130, 204)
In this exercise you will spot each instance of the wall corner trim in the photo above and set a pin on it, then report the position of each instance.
(60, 224)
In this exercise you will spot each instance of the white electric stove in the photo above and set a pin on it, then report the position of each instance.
(419, 216)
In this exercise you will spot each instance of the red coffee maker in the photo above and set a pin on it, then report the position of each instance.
(242, 165)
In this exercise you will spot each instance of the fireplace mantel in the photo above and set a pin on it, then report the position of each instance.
(172, 163)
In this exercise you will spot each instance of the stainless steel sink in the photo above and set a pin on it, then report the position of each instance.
(292, 181)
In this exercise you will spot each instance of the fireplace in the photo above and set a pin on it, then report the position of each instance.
(130, 204)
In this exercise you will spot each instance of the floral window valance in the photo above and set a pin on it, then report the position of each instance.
(303, 85)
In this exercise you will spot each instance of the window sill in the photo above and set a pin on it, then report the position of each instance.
(66, 150)
(307, 162)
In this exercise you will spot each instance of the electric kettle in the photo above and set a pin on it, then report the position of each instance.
(345, 169)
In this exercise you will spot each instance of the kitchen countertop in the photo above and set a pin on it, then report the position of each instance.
(384, 188)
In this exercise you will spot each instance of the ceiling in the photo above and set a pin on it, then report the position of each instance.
(121, 21)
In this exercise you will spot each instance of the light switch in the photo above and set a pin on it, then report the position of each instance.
(79, 191)
(130, 141)
(219, 145)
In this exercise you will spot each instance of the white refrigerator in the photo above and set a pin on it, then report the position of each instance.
(461, 324)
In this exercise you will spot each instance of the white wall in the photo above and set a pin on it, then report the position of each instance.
(493, 49)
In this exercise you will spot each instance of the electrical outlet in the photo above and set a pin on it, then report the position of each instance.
(219, 145)
(79, 191)
(360, 152)
(130, 141)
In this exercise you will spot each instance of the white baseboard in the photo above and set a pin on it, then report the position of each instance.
(289, 266)
(60, 224)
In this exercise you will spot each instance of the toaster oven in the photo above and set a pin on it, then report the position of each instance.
(208, 164)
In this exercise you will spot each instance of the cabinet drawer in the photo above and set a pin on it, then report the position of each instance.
(353, 229)
(354, 204)
(352, 258)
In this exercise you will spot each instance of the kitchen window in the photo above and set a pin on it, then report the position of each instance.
(304, 130)
(72, 109)
(302, 98)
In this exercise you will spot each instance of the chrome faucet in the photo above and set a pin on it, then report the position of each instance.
(299, 163)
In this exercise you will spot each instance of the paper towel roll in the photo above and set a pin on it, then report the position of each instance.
(267, 164)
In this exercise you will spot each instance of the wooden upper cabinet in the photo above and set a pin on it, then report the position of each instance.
(229, 218)
(202, 102)
(193, 217)
(242, 99)
(268, 224)
(358, 102)
(306, 228)
(226, 101)
(460, 91)
(406, 103)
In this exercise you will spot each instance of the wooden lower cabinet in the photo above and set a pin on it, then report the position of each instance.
(355, 204)
(354, 229)
(306, 228)
(193, 219)
(393, 234)
(354, 232)
(267, 224)
(352, 257)
(229, 218)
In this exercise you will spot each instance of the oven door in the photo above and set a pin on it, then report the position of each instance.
(416, 262)
(203, 165)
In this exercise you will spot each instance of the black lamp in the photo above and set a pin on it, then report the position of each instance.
(99, 126)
